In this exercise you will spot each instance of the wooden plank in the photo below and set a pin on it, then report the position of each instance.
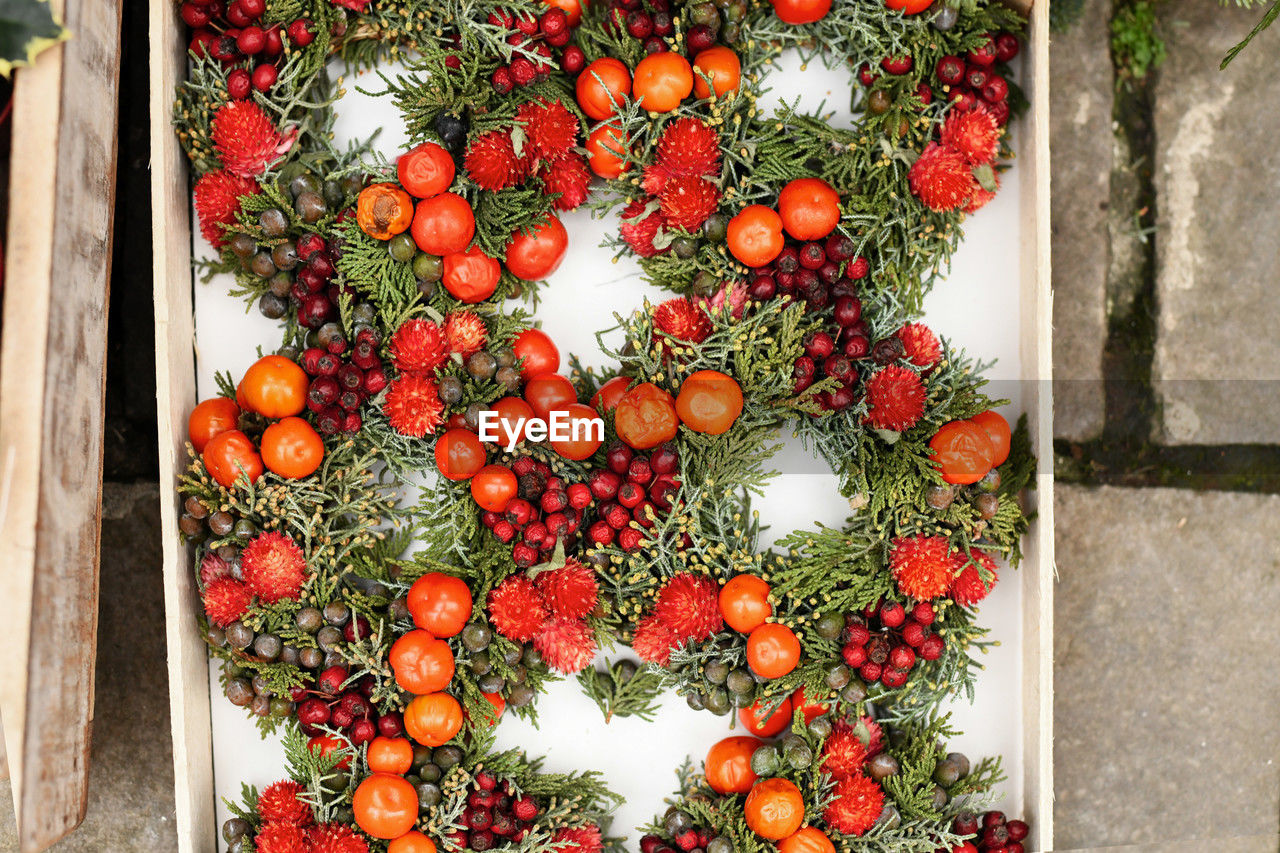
(1037, 331)
(62, 194)
(175, 395)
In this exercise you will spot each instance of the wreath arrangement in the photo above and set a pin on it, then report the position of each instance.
(387, 623)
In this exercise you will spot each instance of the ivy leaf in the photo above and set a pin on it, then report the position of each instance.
(26, 28)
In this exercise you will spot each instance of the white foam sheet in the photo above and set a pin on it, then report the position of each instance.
(976, 308)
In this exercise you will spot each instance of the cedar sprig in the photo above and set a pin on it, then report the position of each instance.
(623, 689)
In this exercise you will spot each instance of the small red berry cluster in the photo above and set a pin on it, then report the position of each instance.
(545, 510)
(632, 487)
(540, 36)
(494, 816)
(684, 841)
(822, 275)
(648, 22)
(883, 645)
(347, 709)
(231, 34)
(992, 831)
(344, 377)
(973, 78)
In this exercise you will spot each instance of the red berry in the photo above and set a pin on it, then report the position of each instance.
(896, 64)
(893, 677)
(687, 840)
(618, 458)
(313, 712)
(502, 81)
(950, 70)
(1007, 47)
(639, 25)
(301, 32)
(553, 22)
(870, 671)
(664, 460)
(237, 16)
(892, 614)
(525, 809)
(615, 515)
(650, 843)
(931, 648)
(239, 84)
(854, 655)
(839, 367)
(925, 94)
(812, 256)
(195, 15)
(604, 484)
(522, 71)
(202, 43)
(902, 657)
(630, 495)
(976, 77)
(913, 634)
(819, 345)
(963, 100)
(251, 40)
(662, 24)
(330, 681)
(629, 540)
(699, 38)
(639, 471)
(524, 554)
(391, 724)
(984, 54)
(601, 534)
(923, 613)
(527, 24)
(858, 634)
(375, 379)
(579, 496)
(848, 310)
(363, 731)
(1000, 109)
(264, 77)
(997, 89)
(573, 60)
(253, 8)
(275, 45)
(866, 76)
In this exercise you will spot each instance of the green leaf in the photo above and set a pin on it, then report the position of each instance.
(26, 28)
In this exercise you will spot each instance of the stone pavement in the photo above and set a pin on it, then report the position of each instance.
(1216, 274)
(1167, 622)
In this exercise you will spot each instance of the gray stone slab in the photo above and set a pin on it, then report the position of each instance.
(131, 762)
(1080, 95)
(1167, 624)
(1218, 245)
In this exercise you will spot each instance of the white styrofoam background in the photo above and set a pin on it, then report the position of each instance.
(976, 308)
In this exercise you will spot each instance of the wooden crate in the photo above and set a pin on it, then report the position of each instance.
(175, 365)
(61, 202)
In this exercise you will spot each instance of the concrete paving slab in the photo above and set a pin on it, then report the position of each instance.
(1167, 624)
(1080, 95)
(1218, 245)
